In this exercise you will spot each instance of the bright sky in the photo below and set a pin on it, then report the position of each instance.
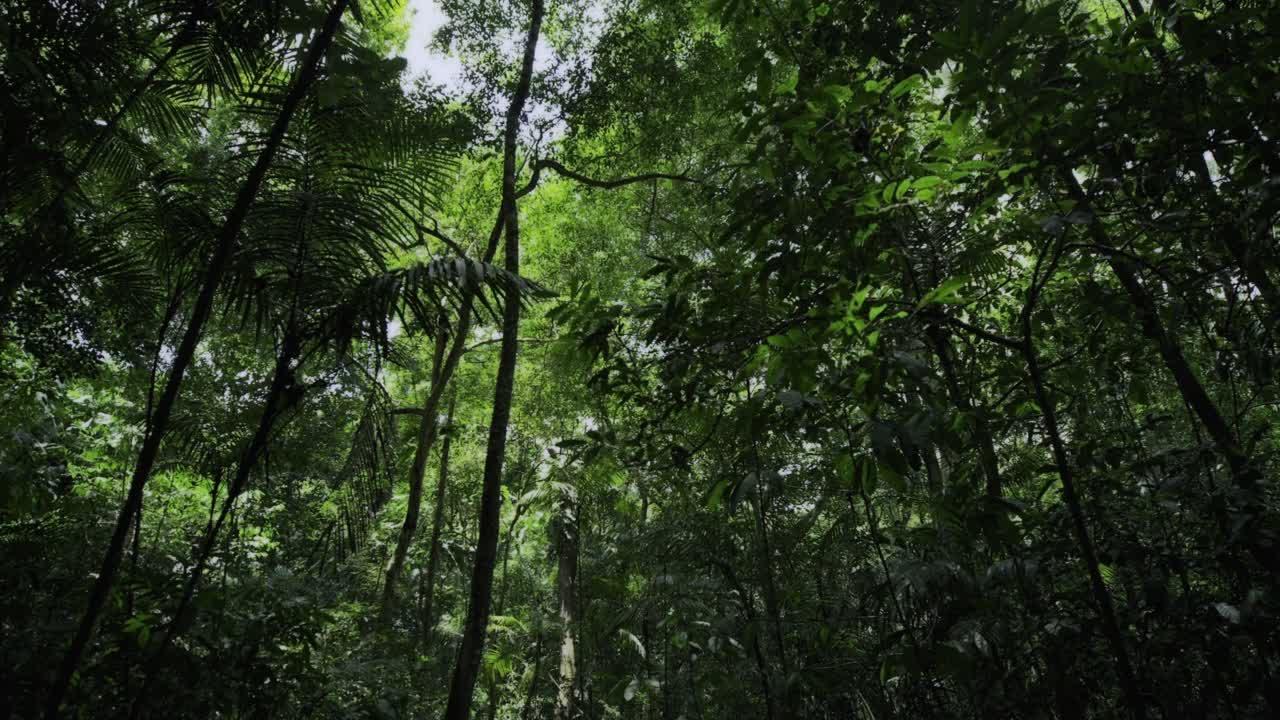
(425, 17)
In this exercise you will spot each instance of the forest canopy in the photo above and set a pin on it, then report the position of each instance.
(679, 359)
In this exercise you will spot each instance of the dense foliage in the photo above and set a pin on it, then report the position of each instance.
(685, 359)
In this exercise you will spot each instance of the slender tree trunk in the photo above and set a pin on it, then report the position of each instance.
(933, 469)
(506, 555)
(500, 608)
(987, 457)
(768, 585)
(274, 405)
(772, 607)
(1193, 392)
(1251, 259)
(133, 558)
(526, 713)
(1101, 596)
(427, 433)
(230, 231)
(567, 585)
(473, 638)
(747, 607)
(935, 476)
(427, 618)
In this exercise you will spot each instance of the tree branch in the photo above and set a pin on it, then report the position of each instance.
(495, 341)
(545, 163)
(433, 231)
(975, 330)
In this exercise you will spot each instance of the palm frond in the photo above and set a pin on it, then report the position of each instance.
(364, 484)
(422, 296)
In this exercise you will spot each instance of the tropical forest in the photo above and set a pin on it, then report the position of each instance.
(639, 359)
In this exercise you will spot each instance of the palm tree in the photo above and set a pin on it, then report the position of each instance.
(185, 51)
(225, 243)
(313, 270)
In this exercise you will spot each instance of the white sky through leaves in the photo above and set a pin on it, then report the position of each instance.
(425, 17)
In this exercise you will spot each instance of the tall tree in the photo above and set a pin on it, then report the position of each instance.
(568, 524)
(463, 683)
(159, 421)
(920, 360)
(426, 616)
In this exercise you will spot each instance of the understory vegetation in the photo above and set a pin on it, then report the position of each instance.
(679, 359)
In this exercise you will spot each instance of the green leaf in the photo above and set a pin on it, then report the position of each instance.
(716, 497)
(802, 144)
(789, 83)
(1228, 612)
(1108, 574)
(926, 182)
(1026, 409)
(741, 490)
(846, 470)
(838, 93)
(859, 297)
(891, 668)
(791, 399)
(903, 188)
(948, 293)
(635, 641)
(868, 474)
(894, 476)
(764, 81)
(905, 86)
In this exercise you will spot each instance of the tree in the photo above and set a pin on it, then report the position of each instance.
(899, 360)
(464, 674)
(199, 315)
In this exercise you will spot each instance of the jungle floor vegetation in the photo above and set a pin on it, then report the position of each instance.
(682, 360)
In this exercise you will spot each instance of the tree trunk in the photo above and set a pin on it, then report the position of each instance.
(772, 607)
(1243, 472)
(473, 637)
(567, 585)
(1101, 596)
(526, 713)
(274, 405)
(110, 567)
(492, 687)
(747, 607)
(441, 373)
(769, 588)
(426, 619)
(987, 457)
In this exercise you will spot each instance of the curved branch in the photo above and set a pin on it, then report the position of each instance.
(998, 339)
(434, 230)
(547, 163)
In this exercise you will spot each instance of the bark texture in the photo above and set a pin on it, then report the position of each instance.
(465, 672)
